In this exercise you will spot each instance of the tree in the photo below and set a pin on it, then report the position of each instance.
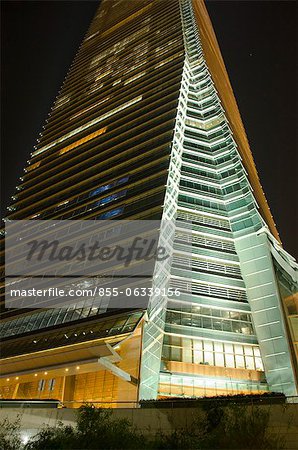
(10, 437)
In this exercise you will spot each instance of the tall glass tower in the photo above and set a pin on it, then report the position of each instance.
(146, 126)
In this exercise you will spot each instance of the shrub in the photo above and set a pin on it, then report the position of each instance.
(220, 426)
(95, 429)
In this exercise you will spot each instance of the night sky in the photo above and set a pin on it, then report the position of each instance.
(257, 39)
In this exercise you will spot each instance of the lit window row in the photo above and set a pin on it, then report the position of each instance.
(208, 311)
(85, 196)
(91, 206)
(106, 187)
(119, 46)
(110, 198)
(210, 289)
(196, 187)
(89, 108)
(192, 263)
(61, 101)
(53, 317)
(76, 144)
(212, 353)
(33, 166)
(202, 219)
(168, 44)
(130, 80)
(97, 75)
(211, 323)
(42, 384)
(88, 125)
(200, 203)
(111, 214)
(82, 141)
(167, 60)
(95, 87)
(193, 240)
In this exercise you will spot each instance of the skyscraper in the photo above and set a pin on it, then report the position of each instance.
(146, 126)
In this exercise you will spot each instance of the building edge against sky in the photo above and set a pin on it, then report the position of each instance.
(254, 234)
(234, 328)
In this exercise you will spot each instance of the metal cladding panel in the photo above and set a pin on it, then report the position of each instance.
(264, 299)
(222, 83)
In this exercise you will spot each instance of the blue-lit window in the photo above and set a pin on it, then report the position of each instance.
(113, 213)
(106, 187)
(110, 198)
(123, 180)
(105, 200)
(100, 190)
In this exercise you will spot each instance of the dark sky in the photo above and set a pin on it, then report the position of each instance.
(257, 39)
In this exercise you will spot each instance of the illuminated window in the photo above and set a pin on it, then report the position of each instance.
(249, 362)
(130, 80)
(88, 125)
(62, 203)
(41, 385)
(95, 87)
(123, 180)
(136, 66)
(83, 140)
(89, 108)
(198, 357)
(96, 59)
(259, 363)
(52, 383)
(111, 198)
(167, 45)
(92, 36)
(167, 60)
(109, 214)
(106, 187)
(62, 101)
(219, 360)
(176, 354)
(33, 166)
(102, 75)
(248, 351)
(97, 75)
(100, 190)
(208, 358)
(240, 362)
(230, 362)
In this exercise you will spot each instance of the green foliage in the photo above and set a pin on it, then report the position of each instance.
(238, 427)
(220, 426)
(178, 439)
(53, 438)
(191, 402)
(95, 429)
(10, 438)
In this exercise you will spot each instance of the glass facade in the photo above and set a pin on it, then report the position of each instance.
(146, 126)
